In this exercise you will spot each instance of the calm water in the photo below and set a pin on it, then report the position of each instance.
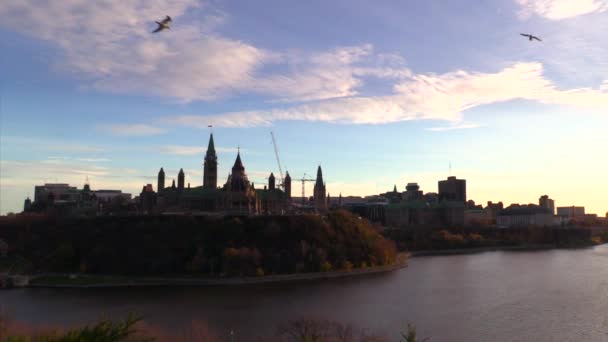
(556, 295)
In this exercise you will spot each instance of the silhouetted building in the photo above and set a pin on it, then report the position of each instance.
(545, 202)
(181, 179)
(287, 185)
(210, 166)
(237, 196)
(517, 215)
(472, 206)
(27, 204)
(412, 192)
(320, 200)
(52, 192)
(453, 189)
(572, 212)
(147, 199)
(161, 180)
(493, 209)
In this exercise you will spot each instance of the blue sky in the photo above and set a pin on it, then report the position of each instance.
(377, 92)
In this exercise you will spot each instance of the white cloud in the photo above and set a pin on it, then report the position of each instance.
(50, 145)
(422, 96)
(109, 45)
(457, 125)
(132, 129)
(560, 9)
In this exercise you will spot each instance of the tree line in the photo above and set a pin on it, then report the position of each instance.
(216, 246)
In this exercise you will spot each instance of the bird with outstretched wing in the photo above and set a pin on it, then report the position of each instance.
(530, 37)
(162, 25)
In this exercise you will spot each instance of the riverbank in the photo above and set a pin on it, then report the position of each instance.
(109, 281)
(527, 247)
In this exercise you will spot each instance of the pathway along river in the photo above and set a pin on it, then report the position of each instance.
(549, 295)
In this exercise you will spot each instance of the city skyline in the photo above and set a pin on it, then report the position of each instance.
(378, 94)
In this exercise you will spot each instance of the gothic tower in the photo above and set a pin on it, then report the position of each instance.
(180, 179)
(271, 181)
(287, 185)
(319, 192)
(210, 168)
(161, 180)
(238, 178)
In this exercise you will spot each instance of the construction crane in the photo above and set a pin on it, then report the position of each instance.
(304, 180)
(276, 153)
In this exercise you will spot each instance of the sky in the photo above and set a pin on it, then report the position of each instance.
(379, 93)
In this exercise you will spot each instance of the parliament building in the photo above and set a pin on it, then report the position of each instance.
(237, 196)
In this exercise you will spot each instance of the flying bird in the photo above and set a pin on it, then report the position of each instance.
(531, 37)
(163, 24)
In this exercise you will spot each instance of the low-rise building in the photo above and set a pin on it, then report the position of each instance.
(517, 215)
(571, 212)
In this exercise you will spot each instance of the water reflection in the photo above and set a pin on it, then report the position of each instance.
(542, 295)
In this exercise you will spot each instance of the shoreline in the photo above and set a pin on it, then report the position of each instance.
(108, 281)
(461, 251)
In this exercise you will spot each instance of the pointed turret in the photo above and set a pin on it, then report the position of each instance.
(211, 146)
(271, 181)
(320, 198)
(173, 184)
(319, 177)
(395, 188)
(238, 180)
(210, 166)
(180, 179)
(161, 180)
(287, 185)
(238, 164)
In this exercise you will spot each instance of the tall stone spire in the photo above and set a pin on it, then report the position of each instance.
(180, 179)
(319, 192)
(287, 185)
(161, 180)
(238, 180)
(210, 166)
(271, 182)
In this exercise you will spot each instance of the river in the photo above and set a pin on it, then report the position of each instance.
(548, 295)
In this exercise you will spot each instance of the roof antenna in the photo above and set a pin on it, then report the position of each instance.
(210, 128)
(450, 169)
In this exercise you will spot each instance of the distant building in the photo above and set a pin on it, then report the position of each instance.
(65, 200)
(517, 215)
(27, 204)
(320, 199)
(52, 192)
(453, 189)
(420, 213)
(493, 209)
(477, 217)
(571, 212)
(472, 206)
(545, 202)
(238, 196)
(412, 192)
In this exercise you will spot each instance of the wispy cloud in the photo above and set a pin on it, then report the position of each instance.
(51, 145)
(89, 160)
(421, 96)
(132, 129)
(112, 47)
(560, 9)
(459, 125)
